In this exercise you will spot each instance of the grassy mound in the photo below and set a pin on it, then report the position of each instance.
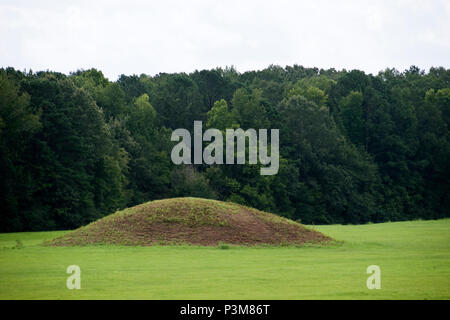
(191, 221)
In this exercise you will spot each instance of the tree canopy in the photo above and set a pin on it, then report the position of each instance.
(354, 147)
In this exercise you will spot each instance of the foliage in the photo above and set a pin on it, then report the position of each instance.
(354, 147)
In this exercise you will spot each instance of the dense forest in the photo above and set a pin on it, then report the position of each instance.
(354, 147)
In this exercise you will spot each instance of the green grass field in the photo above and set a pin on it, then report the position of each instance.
(414, 258)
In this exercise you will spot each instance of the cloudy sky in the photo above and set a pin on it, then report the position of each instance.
(127, 37)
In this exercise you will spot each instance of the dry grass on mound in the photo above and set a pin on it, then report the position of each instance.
(193, 221)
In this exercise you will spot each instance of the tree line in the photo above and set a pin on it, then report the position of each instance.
(354, 147)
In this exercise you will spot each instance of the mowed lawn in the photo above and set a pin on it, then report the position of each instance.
(414, 258)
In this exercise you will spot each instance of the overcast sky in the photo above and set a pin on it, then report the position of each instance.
(127, 37)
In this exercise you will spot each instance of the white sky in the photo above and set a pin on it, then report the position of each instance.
(180, 36)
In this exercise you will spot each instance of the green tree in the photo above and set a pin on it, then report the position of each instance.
(18, 124)
(248, 110)
(219, 116)
(351, 115)
(76, 163)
